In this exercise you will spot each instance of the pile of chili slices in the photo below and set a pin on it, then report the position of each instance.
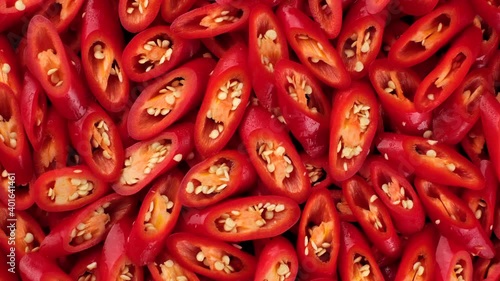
(260, 140)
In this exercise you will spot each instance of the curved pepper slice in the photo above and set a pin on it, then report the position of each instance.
(328, 14)
(87, 266)
(345, 212)
(453, 218)
(474, 144)
(277, 261)
(61, 12)
(317, 170)
(490, 118)
(488, 269)
(145, 160)
(216, 178)
(166, 267)
(352, 129)
(12, 12)
(489, 10)
(452, 262)
(9, 66)
(313, 48)
(211, 258)
(172, 9)
(36, 267)
(33, 106)
(137, 15)
(318, 237)
(489, 42)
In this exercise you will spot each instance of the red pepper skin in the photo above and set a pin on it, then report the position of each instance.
(440, 83)
(364, 24)
(10, 15)
(101, 27)
(226, 109)
(33, 106)
(317, 170)
(489, 11)
(240, 177)
(172, 9)
(277, 252)
(458, 114)
(392, 33)
(486, 269)
(15, 153)
(59, 242)
(165, 264)
(442, 205)
(490, 118)
(61, 13)
(431, 160)
(319, 224)
(5, 265)
(345, 212)
(178, 142)
(142, 65)
(104, 156)
(353, 245)
(184, 247)
(188, 80)
(408, 214)
(87, 264)
(418, 7)
(329, 18)
(36, 267)
(309, 112)
(372, 215)
(140, 17)
(348, 131)
(61, 180)
(9, 66)
(489, 42)
(397, 102)
(219, 44)
(474, 144)
(200, 22)
(449, 254)
(408, 50)
(256, 117)
(313, 48)
(262, 19)
(151, 227)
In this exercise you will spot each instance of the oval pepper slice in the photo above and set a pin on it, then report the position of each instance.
(277, 261)
(9, 66)
(345, 212)
(166, 267)
(137, 15)
(474, 144)
(452, 262)
(489, 42)
(328, 14)
(36, 267)
(87, 266)
(33, 106)
(489, 10)
(352, 129)
(61, 12)
(172, 9)
(168, 99)
(317, 170)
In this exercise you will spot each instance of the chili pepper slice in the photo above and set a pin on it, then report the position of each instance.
(36, 267)
(417, 8)
(318, 237)
(86, 268)
(352, 129)
(224, 102)
(489, 10)
(9, 66)
(11, 191)
(489, 42)
(372, 215)
(453, 218)
(145, 160)
(317, 170)
(172, 9)
(87, 227)
(12, 12)
(452, 261)
(313, 48)
(488, 269)
(345, 212)
(277, 261)
(166, 267)
(490, 118)
(155, 51)
(328, 14)
(219, 44)
(61, 12)
(33, 106)
(474, 144)
(216, 178)
(137, 15)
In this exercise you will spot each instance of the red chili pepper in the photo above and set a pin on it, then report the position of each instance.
(87, 227)
(33, 106)
(256, 117)
(210, 20)
(452, 261)
(345, 212)
(318, 237)
(489, 11)
(440, 83)
(61, 12)
(396, 87)
(303, 104)
(313, 48)
(474, 144)
(372, 215)
(172, 9)
(488, 269)
(328, 14)
(166, 266)
(211, 258)
(225, 98)
(453, 218)
(216, 178)
(86, 267)
(267, 45)
(317, 170)
(360, 40)
(9, 66)
(277, 261)
(102, 45)
(36, 267)
(431, 32)
(357, 260)
(392, 32)
(490, 118)
(97, 140)
(352, 129)
(155, 220)
(155, 51)
(145, 160)
(7, 261)
(489, 42)
(418, 7)
(12, 13)
(219, 44)
(135, 16)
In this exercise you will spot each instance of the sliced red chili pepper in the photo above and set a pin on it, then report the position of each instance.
(219, 44)
(61, 12)
(489, 43)
(417, 8)
(360, 40)
(328, 14)
(453, 218)
(398, 196)
(345, 212)
(87, 227)
(431, 32)
(277, 261)
(211, 258)
(166, 267)
(9, 66)
(267, 45)
(313, 48)
(155, 51)
(372, 215)
(46, 58)
(12, 12)
(474, 144)
(172, 9)
(224, 102)
(257, 117)
(147, 159)
(352, 129)
(303, 104)
(36, 267)
(155, 220)
(137, 15)
(317, 170)
(102, 45)
(440, 83)
(86, 267)
(490, 118)
(489, 10)
(318, 238)
(392, 32)
(458, 114)
(357, 261)
(97, 140)
(216, 178)
(488, 269)
(452, 262)
(33, 106)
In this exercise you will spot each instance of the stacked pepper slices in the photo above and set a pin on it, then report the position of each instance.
(266, 140)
